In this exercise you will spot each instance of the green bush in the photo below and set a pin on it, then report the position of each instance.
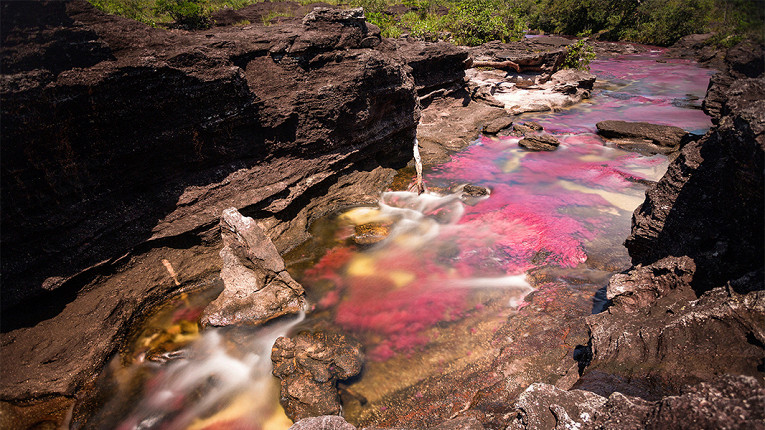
(473, 22)
(188, 14)
(578, 56)
(426, 26)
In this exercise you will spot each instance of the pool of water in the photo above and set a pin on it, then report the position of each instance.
(406, 276)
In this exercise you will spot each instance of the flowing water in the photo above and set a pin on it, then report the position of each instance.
(423, 281)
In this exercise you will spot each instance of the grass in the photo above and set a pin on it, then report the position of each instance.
(471, 22)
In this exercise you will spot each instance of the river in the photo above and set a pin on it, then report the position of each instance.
(452, 273)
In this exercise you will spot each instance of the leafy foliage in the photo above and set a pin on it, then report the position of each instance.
(473, 22)
(189, 14)
(578, 56)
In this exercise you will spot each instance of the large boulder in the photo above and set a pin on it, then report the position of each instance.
(657, 331)
(661, 138)
(309, 366)
(709, 204)
(122, 145)
(256, 285)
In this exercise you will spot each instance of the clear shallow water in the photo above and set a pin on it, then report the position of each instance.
(553, 220)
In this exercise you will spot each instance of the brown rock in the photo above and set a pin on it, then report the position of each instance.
(142, 138)
(309, 366)
(539, 142)
(256, 286)
(498, 125)
(661, 135)
(371, 233)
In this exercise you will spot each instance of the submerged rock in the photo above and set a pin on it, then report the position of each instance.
(539, 142)
(309, 366)
(257, 287)
(371, 233)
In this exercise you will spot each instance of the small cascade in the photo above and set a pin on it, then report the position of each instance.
(216, 381)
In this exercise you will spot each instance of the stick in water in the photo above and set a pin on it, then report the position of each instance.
(418, 185)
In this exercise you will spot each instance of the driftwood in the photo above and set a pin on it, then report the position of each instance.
(502, 65)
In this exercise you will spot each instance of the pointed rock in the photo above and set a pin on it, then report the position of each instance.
(257, 287)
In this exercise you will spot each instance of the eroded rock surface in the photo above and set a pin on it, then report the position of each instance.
(309, 366)
(652, 137)
(656, 330)
(539, 142)
(709, 204)
(122, 144)
(256, 285)
(733, 402)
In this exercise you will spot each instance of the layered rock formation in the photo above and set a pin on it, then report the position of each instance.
(123, 143)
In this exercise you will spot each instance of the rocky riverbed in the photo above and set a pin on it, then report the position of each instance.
(124, 144)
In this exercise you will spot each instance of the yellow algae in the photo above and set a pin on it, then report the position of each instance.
(624, 202)
(513, 163)
(361, 265)
(246, 406)
(278, 420)
(401, 278)
(240, 406)
(362, 215)
(593, 158)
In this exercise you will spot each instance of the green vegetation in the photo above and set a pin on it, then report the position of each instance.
(189, 14)
(472, 22)
(578, 56)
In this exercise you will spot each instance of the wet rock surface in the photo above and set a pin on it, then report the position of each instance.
(666, 138)
(256, 286)
(309, 366)
(142, 136)
(539, 142)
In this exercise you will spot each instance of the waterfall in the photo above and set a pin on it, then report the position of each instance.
(210, 377)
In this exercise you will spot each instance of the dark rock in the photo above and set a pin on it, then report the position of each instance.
(125, 152)
(309, 366)
(730, 402)
(734, 402)
(498, 125)
(544, 406)
(435, 65)
(697, 47)
(642, 286)
(528, 127)
(673, 341)
(475, 191)
(661, 135)
(539, 142)
(745, 60)
(217, 117)
(326, 422)
(709, 204)
(256, 286)
(539, 54)
(462, 423)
